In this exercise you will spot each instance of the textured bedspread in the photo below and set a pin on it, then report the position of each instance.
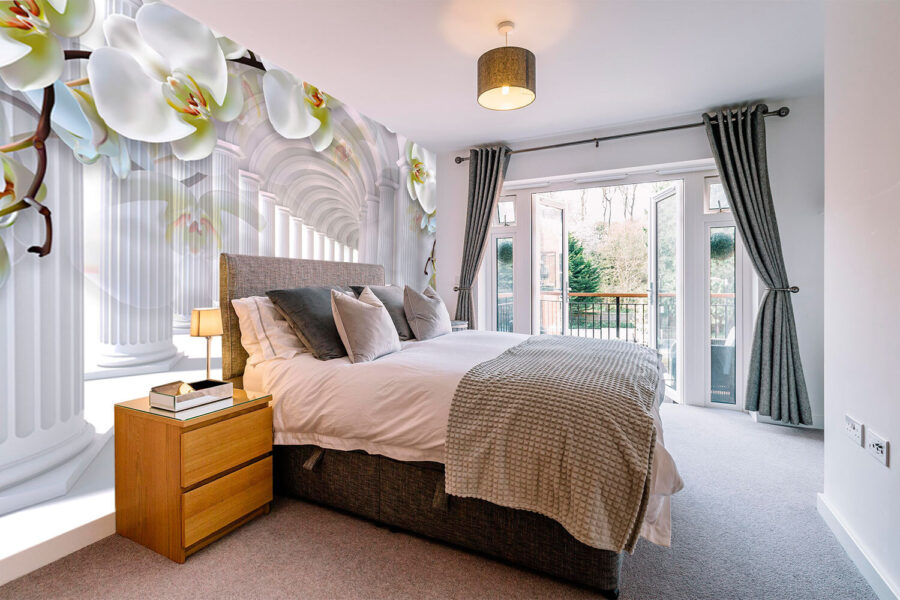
(562, 426)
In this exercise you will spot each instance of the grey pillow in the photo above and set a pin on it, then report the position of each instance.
(428, 317)
(308, 311)
(392, 298)
(364, 325)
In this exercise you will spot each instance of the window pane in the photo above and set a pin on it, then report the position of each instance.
(722, 315)
(550, 247)
(716, 200)
(506, 212)
(666, 277)
(504, 270)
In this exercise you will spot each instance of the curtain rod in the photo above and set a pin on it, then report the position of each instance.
(781, 112)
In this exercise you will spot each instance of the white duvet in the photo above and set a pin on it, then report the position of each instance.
(398, 405)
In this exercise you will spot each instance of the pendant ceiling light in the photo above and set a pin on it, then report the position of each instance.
(506, 75)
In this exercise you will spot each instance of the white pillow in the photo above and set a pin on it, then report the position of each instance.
(265, 334)
(428, 317)
(365, 327)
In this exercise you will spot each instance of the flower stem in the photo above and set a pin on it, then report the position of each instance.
(20, 145)
(78, 82)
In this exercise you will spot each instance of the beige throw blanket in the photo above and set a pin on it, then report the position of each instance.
(562, 426)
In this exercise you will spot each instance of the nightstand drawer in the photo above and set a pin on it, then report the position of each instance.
(208, 451)
(212, 506)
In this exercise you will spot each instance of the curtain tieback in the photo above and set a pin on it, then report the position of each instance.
(793, 289)
(460, 288)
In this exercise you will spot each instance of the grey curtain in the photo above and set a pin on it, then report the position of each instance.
(775, 385)
(487, 168)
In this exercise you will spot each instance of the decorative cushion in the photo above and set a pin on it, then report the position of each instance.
(365, 327)
(392, 298)
(426, 313)
(308, 311)
(265, 334)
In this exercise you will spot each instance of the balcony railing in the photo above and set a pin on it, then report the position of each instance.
(600, 315)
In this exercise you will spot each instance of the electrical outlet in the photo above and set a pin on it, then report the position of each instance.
(853, 429)
(877, 446)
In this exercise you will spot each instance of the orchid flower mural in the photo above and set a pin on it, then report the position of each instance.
(78, 124)
(31, 56)
(298, 109)
(16, 179)
(163, 78)
(421, 182)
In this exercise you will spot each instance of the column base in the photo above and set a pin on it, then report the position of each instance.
(126, 370)
(56, 481)
(181, 325)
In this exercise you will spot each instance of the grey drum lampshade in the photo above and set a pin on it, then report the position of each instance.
(506, 78)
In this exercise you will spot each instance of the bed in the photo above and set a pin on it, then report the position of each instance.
(372, 444)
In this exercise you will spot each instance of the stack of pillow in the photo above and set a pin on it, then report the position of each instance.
(361, 322)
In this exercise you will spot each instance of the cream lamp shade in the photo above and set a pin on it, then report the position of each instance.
(206, 322)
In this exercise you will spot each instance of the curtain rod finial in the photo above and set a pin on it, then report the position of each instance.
(458, 159)
(784, 111)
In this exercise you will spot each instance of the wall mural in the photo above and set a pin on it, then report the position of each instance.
(185, 145)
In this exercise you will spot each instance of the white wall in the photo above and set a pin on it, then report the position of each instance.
(796, 172)
(862, 282)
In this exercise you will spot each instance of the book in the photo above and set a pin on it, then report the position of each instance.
(197, 411)
(178, 395)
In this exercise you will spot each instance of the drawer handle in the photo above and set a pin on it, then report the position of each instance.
(314, 459)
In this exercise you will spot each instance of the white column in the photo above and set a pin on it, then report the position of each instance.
(309, 242)
(195, 248)
(387, 189)
(267, 224)
(42, 426)
(338, 252)
(296, 243)
(319, 246)
(282, 231)
(368, 246)
(136, 277)
(248, 186)
(328, 248)
(355, 255)
(226, 202)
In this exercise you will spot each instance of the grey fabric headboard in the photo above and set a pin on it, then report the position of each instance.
(241, 276)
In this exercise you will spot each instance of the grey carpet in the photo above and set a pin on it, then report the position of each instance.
(745, 526)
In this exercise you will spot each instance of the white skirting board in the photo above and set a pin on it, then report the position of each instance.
(38, 535)
(885, 589)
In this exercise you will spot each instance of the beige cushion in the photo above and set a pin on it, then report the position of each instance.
(365, 327)
(265, 333)
(428, 317)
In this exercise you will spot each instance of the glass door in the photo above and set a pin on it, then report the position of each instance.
(665, 210)
(550, 248)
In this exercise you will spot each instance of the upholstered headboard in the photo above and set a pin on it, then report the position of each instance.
(241, 276)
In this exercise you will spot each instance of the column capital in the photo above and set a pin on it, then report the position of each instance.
(268, 196)
(228, 148)
(249, 175)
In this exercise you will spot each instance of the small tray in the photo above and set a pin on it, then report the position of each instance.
(166, 396)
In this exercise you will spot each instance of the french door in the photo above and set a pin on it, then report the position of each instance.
(665, 279)
(550, 266)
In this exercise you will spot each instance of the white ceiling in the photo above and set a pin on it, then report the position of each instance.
(410, 64)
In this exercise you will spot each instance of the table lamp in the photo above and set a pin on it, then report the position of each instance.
(206, 322)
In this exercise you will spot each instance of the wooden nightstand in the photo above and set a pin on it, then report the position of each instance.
(181, 485)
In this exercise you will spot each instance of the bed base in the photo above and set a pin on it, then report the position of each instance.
(410, 497)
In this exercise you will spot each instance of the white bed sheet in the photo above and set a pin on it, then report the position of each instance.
(399, 404)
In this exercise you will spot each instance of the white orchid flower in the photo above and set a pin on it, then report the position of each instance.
(421, 183)
(77, 123)
(31, 56)
(16, 181)
(163, 78)
(297, 109)
(230, 48)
